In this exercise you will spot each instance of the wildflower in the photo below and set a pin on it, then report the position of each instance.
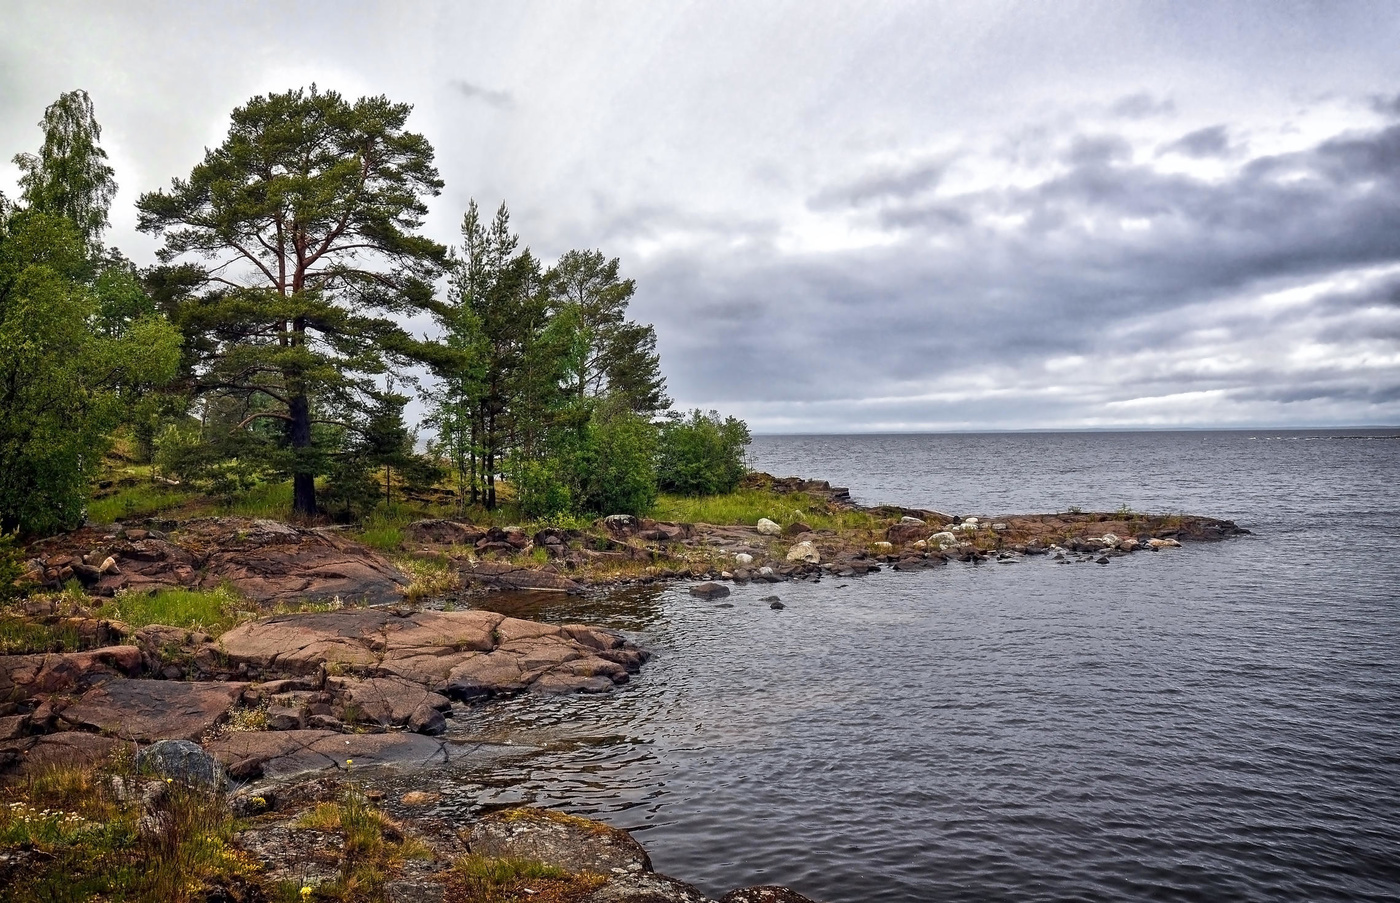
(306, 891)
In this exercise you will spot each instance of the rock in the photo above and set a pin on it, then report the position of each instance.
(709, 590)
(278, 754)
(882, 547)
(13, 727)
(36, 755)
(646, 887)
(768, 527)
(743, 558)
(442, 533)
(284, 718)
(1155, 544)
(428, 720)
(416, 798)
(796, 528)
(1128, 545)
(999, 527)
(621, 524)
(906, 519)
(942, 539)
(386, 701)
(804, 551)
(1109, 539)
(108, 566)
(563, 841)
(776, 605)
(25, 676)
(149, 710)
(765, 571)
(767, 893)
(503, 575)
(903, 533)
(459, 654)
(183, 762)
(1102, 559)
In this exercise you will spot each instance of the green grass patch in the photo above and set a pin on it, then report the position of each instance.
(481, 879)
(210, 610)
(746, 506)
(141, 500)
(23, 636)
(269, 500)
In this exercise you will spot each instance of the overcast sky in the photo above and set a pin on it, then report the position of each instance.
(860, 216)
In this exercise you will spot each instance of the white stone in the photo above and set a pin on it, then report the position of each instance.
(970, 520)
(804, 551)
(1163, 543)
(919, 544)
(1110, 539)
(768, 527)
(766, 571)
(883, 547)
(906, 519)
(998, 527)
(943, 538)
(743, 558)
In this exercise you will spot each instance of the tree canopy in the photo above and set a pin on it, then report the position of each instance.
(304, 224)
(70, 176)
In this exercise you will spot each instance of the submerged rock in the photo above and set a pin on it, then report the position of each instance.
(709, 590)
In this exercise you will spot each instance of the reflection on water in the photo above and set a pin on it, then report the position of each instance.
(1221, 722)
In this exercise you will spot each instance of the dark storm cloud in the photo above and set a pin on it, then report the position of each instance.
(501, 100)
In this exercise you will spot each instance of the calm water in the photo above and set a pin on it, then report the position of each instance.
(1216, 723)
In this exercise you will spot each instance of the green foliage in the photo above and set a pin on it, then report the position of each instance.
(209, 610)
(701, 454)
(746, 506)
(141, 500)
(482, 879)
(69, 177)
(11, 567)
(606, 467)
(66, 387)
(309, 212)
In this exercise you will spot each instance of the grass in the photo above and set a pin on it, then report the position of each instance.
(137, 501)
(480, 879)
(90, 847)
(209, 610)
(746, 506)
(428, 577)
(269, 500)
(22, 636)
(374, 849)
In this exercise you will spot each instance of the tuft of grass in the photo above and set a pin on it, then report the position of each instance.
(90, 846)
(270, 500)
(481, 879)
(140, 500)
(22, 636)
(428, 578)
(209, 610)
(374, 849)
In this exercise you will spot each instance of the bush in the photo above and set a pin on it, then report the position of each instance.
(701, 454)
(605, 466)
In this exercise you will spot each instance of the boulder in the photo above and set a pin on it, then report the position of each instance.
(386, 701)
(943, 539)
(563, 841)
(646, 887)
(183, 762)
(442, 533)
(621, 524)
(149, 710)
(907, 519)
(796, 528)
(903, 533)
(882, 547)
(1155, 544)
(709, 590)
(25, 676)
(804, 551)
(768, 527)
(743, 558)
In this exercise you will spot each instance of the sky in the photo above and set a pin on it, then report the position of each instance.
(863, 216)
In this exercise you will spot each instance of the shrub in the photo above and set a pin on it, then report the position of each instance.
(701, 454)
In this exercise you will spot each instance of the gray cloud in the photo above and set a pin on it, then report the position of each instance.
(939, 217)
(501, 100)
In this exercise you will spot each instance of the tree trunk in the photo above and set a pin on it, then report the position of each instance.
(303, 480)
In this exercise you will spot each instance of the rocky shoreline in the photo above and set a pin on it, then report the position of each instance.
(285, 697)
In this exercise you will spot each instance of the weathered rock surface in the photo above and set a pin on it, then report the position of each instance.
(443, 533)
(503, 575)
(563, 841)
(805, 551)
(25, 676)
(281, 753)
(149, 710)
(460, 654)
(768, 528)
(647, 887)
(767, 893)
(390, 701)
(33, 755)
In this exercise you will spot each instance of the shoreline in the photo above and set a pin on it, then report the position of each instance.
(301, 686)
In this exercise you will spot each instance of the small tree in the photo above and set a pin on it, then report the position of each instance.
(701, 454)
